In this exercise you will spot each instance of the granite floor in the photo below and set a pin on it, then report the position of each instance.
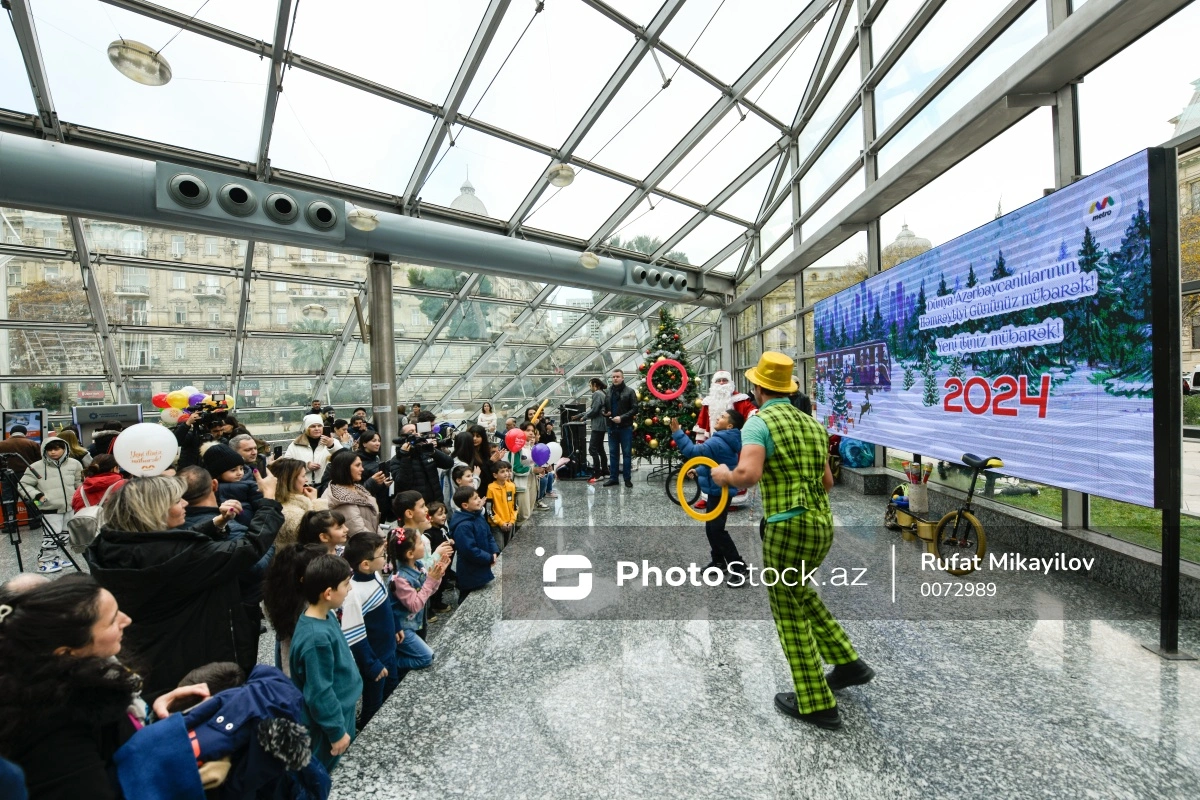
(1058, 701)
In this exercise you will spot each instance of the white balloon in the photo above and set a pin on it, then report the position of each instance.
(145, 449)
(190, 390)
(170, 415)
(555, 452)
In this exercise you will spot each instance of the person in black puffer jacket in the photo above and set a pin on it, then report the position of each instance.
(376, 477)
(179, 585)
(415, 466)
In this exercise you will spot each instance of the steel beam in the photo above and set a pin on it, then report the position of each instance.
(35, 68)
(1088, 38)
(808, 99)
(490, 23)
(322, 386)
(262, 169)
(645, 43)
(382, 349)
(734, 95)
(911, 31)
(243, 320)
(108, 349)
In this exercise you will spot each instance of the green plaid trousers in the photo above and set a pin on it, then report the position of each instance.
(807, 631)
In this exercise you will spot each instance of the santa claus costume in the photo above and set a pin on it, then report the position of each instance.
(721, 397)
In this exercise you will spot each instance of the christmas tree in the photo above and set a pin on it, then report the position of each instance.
(840, 408)
(651, 436)
(909, 376)
(956, 367)
(932, 396)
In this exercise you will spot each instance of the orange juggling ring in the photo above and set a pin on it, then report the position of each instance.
(537, 414)
(666, 362)
(691, 463)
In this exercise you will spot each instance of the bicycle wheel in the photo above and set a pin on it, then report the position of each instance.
(970, 540)
(691, 489)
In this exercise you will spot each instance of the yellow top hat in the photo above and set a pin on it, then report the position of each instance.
(773, 373)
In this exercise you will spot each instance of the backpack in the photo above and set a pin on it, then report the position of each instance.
(83, 527)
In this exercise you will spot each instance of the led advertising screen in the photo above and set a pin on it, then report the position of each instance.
(1029, 338)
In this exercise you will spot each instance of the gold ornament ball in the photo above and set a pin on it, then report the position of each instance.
(698, 402)
(653, 444)
(666, 420)
(635, 426)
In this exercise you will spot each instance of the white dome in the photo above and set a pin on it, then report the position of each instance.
(468, 202)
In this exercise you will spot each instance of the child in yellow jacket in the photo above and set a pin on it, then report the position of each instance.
(502, 494)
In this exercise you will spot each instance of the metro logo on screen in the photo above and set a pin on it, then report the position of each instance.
(1029, 338)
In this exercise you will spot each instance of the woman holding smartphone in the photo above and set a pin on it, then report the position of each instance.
(313, 446)
(375, 474)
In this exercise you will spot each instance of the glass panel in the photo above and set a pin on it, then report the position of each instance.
(433, 278)
(638, 143)
(130, 239)
(753, 26)
(640, 11)
(746, 352)
(305, 261)
(747, 201)
(890, 22)
(840, 199)
(289, 305)
(730, 264)
(504, 288)
(780, 90)
(575, 298)
(503, 173)
(773, 259)
(745, 322)
(779, 225)
(254, 18)
(349, 392)
(630, 303)
(835, 100)
(478, 320)
(647, 226)
(838, 269)
(208, 78)
(838, 155)
(779, 303)
(51, 353)
(14, 91)
(157, 353)
(426, 391)
(310, 134)
(330, 33)
(720, 156)
(545, 326)
(932, 219)
(262, 356)
(807, 322)
(450, 359)
(708, 239)
(44, 290)
(955, 24)
(35, 229)
(543, 86)
(999, 56)
(356, 357)
(781, 338)
(579, 209)
(1156, 110)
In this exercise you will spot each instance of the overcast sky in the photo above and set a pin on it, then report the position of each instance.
(325, 129)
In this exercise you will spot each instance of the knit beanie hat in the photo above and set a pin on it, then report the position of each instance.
(312, 419)
(221, 458)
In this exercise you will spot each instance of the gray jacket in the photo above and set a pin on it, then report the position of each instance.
(595, 412)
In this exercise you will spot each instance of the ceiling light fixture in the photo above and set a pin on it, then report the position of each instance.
(589, 260)
(362, 219)
(561, 175)
(314, 311)
(139, 63)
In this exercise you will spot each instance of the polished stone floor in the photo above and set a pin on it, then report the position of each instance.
(1039, 703)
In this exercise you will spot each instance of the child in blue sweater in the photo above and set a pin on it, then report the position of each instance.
(723, 447)
(368, 624)
(322, 665)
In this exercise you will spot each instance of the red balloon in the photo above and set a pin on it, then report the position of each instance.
(514, 440)
(184, 417)
(160, 400)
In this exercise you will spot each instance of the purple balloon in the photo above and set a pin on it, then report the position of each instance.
(541, 454)
(197, 399)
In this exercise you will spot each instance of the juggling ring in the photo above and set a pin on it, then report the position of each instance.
(699, 461)
(666, 362)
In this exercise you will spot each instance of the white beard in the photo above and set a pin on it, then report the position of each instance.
(719, 400)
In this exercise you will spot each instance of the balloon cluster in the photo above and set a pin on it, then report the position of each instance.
(176, 405)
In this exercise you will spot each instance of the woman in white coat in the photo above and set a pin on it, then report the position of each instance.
(313, 447)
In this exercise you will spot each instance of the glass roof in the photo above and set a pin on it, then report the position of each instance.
(444, 103)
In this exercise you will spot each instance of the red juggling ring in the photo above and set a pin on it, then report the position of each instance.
(666, 362)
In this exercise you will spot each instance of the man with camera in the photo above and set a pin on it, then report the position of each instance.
(418, 459)
(204, 424)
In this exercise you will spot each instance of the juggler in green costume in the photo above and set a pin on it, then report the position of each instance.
(784, 450)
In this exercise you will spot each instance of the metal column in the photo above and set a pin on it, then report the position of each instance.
(383, 349)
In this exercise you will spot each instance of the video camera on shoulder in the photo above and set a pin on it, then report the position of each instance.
(206, 414)
(423, 439)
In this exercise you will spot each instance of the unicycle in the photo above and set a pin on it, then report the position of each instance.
(960, 533)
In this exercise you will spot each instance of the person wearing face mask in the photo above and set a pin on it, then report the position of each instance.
(67, 703)
(313, 447)
(180, 585)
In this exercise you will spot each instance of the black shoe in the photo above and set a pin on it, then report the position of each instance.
(628, 484)
(610, 483)
(826, 718)
(721, 565)
(856, 673)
